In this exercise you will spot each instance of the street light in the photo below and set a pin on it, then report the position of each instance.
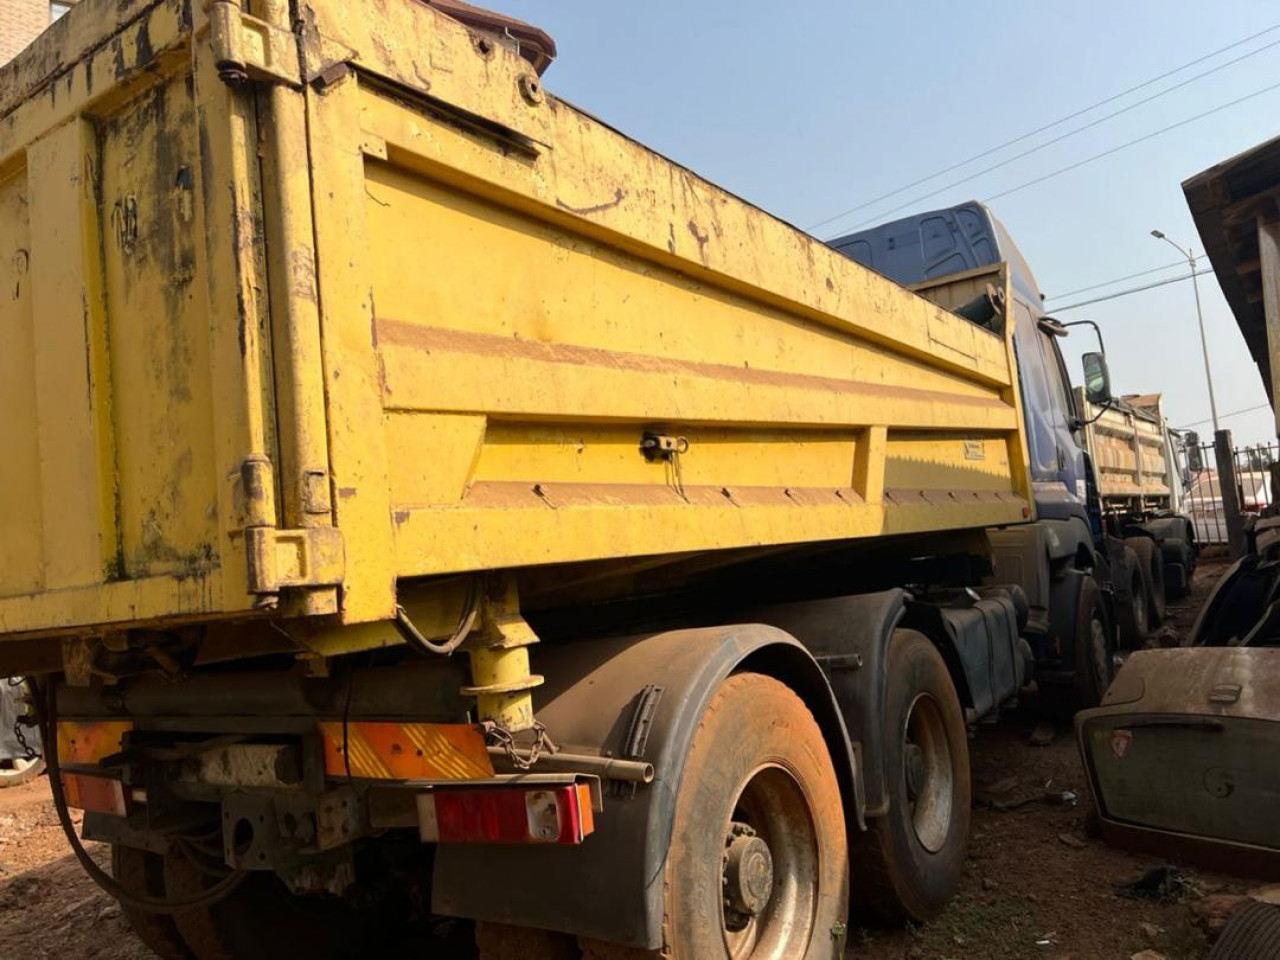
(1204, 342)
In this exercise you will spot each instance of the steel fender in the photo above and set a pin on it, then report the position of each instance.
(1237, 603)
(611, 887)
(849, 637)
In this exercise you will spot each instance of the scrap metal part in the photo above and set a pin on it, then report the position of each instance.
(1176, 757)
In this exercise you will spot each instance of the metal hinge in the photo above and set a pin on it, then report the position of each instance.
(311, 557)
(248, 49)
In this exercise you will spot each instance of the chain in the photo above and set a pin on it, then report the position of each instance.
(29, 752)
(502, 738)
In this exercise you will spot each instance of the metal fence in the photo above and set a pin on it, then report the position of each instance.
(1253, 481)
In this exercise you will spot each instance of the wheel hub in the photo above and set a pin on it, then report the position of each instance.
(913, 757)
(927, 770)
(748, 875)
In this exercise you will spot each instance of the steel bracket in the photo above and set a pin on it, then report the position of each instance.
(311, 557)
(247, 49)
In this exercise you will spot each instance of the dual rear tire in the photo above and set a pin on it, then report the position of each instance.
(908, 863)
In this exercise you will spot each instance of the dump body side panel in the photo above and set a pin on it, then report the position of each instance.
(395, 288)
(525, 293)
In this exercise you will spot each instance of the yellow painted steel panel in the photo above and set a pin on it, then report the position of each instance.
(162, 396)
(416, 300)
(77, 475)
(21, 536)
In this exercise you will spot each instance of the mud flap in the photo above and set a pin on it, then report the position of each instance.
(629, 698)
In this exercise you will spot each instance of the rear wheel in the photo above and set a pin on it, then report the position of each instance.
(1151, 561)
(758, 865)
(1178, 556)
(1095, 651)
(262, 920)
(142, 873)
(1176, 539)
(1134, 603)
(909, 861)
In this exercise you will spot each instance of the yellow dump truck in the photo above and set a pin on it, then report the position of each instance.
(1141, 471)
(420, 500)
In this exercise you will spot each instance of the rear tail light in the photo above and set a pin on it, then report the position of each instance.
(553, 814)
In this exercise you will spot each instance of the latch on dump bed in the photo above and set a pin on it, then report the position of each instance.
(311, 557)
(278, 558)
(246, 48)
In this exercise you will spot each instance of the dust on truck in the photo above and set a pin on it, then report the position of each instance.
(422, 501)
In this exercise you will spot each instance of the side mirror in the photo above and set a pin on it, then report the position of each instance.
(1097, 379)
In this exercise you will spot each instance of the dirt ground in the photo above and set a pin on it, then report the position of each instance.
(1036, 884)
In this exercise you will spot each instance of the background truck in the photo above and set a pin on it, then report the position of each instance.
(422, 501)
(1183, 751)
(1108, 476)
(1141, 471)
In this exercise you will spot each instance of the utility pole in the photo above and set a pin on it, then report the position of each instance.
(1204, 341)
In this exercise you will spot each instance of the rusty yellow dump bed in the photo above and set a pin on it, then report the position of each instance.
(1130, 452)
(287, 318)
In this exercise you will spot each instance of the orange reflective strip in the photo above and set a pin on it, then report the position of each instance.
(406, 751)
(88, 741)
(95, 794)
(586, 813)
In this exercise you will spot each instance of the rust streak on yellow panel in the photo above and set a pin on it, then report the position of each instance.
(444, 370)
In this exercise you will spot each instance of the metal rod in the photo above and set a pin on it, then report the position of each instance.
(1204, 345)
(631, 771)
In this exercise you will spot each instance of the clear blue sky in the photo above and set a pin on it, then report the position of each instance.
(809, 109)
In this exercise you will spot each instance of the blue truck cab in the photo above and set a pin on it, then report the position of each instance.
(1065, 560)
(941, 243)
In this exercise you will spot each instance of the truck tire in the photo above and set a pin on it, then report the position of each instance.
(758, 864)
(1252, 933)
(1133, 601)
(1180, 564)
(19, 770)
(1094, 647)
(262, 920)
(1151, 560)
(908, 863)
(1176, 538)
(141, 872)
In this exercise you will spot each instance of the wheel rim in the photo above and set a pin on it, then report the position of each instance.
(770, 868)
(926, 762)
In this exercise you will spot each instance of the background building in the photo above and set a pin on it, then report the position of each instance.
(21, 21)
